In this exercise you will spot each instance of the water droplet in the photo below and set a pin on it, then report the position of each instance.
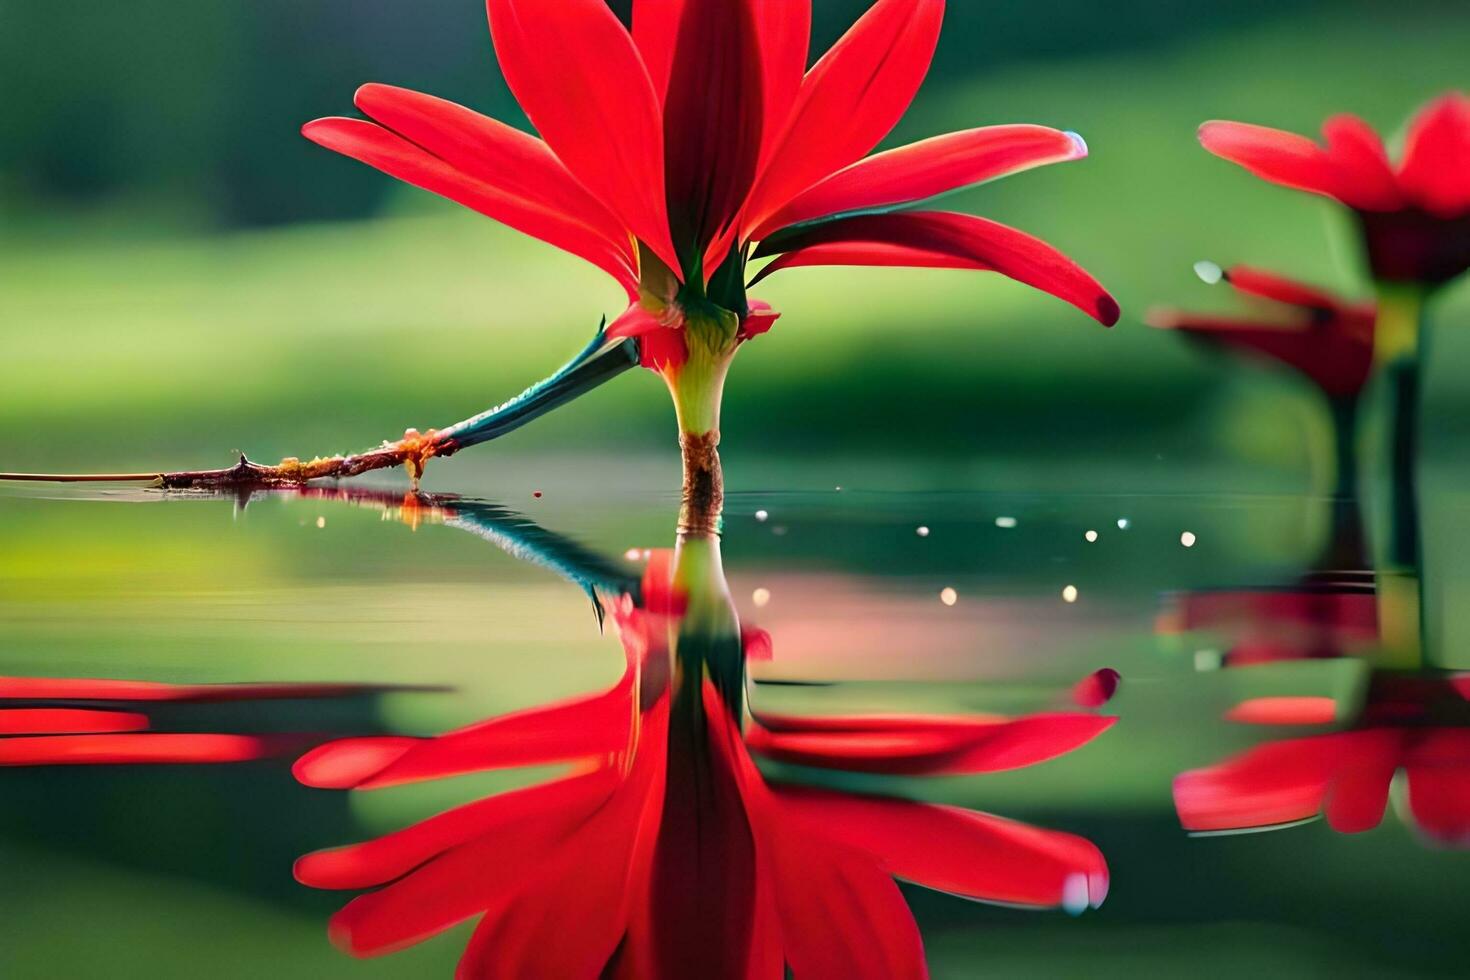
(632, 554)
(761, 515)
(1188, 539)
(922, 530)
(760, 596)
(1074, 894)
(1209, 272)
(1207, 660)
(948, 596)
(1005, 522)
(1069, 594)
(1091, 536)
(321, 522)
(1122, 523)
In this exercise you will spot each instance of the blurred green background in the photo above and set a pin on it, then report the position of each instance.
(181, 274)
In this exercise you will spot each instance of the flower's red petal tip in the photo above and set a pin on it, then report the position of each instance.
(1097, 688)
(348, 763)
(1108, 311)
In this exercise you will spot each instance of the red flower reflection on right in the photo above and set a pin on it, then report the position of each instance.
(1416, 724)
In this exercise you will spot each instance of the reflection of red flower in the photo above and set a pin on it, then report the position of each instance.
(1268, 625)
(667, 150)
(1415, 217)
(1325, 338)
(77, 721)
(667, 848)
(1420, 725)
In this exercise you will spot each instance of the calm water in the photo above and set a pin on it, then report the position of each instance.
(879, 612)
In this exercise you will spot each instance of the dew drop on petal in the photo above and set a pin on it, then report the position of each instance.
(321, 522)
(1069, 594)
(1209, 272)
(922, 530)
(948, 596)
(632, 554)
(1091, 536)
(1005, 522)
(1188, 539)
(1075, 899)
(1122, 523)
(761, 515)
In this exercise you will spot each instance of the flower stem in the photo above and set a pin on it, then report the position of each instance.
(697, 386)
(1390, 448)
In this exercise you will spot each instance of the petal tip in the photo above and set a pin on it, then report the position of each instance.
(1108, 310)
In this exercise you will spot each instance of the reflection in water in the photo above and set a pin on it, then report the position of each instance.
(664, 845)
(83, 721)
(1405, 715)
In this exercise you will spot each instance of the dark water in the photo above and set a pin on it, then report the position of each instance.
(702, 752)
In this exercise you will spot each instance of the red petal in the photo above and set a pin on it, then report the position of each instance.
(841, 916)
(394, 855)
(56, 721)
(582, 728)
(961, 241)
(712, 122)
(1436, 166)
(91, 689)
(1097, 688)
(1284, 711)
(785, 33)
(1271, 154)
(850, 99)
(1359, 790)
(483, 875)
(1367, 179)
(1277, 783)
(961, 852)
(390, 153)
(656, 33)
(1268, 285)
(915, 745)
(490, 151)
(135, 748)
(1439, 785)
(927, 169)
(576, 73)
(590, 879)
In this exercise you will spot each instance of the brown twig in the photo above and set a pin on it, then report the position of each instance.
(412, 452)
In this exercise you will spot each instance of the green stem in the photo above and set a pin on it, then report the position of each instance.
(1390, 424)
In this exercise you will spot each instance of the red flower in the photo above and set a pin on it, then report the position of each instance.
(1417, 724)
(1329, 340)
(668, 849)
(666, 152)
(1415, 217)
(75, 721)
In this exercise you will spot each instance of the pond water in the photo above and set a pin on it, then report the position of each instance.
(953, 648)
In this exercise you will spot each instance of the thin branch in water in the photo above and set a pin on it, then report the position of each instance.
(599, 362)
